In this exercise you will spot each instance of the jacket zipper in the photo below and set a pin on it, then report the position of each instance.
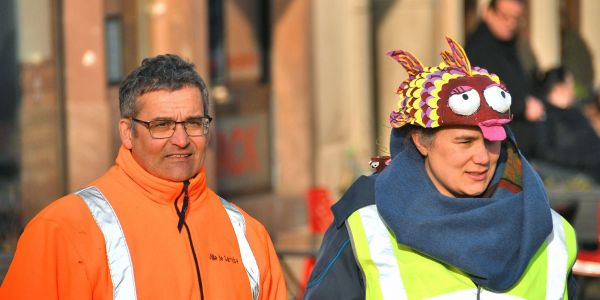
(187, 229)
(182, 223)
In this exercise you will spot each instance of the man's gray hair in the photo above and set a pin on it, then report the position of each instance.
(163, 72)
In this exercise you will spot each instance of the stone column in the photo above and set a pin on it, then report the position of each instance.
(545, 32)
(343, 83)
(292, 106)
(87, 111)
(40, 140)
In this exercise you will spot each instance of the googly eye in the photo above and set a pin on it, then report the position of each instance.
(497, 98)
(465, 103)
(374, 164)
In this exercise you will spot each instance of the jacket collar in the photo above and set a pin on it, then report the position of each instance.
(360, 194)
(157, 189)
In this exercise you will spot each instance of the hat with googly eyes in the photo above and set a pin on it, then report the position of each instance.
(452, 93)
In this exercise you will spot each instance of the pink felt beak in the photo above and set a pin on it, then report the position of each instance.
(492, 129)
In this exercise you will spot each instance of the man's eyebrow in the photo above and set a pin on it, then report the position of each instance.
(195, 117)
(161, 118)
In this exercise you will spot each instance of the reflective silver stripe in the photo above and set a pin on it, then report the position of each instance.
(117, 252)
(248, 259)
(382, 253)
(558, 259)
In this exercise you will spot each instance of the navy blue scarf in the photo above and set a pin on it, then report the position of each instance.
(491, 239)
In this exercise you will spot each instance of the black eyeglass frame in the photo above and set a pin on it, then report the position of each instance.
(148, 124)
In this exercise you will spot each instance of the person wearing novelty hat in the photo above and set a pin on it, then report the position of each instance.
(459, 213)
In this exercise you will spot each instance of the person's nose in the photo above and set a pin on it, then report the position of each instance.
(180, 137)
(481, 154)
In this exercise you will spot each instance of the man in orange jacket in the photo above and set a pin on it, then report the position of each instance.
(149, 228)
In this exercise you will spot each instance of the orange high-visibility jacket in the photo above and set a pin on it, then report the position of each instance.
(62, 255)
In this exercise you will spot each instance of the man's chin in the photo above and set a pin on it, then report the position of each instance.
(178, 176)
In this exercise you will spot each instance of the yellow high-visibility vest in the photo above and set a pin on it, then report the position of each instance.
(395, 271)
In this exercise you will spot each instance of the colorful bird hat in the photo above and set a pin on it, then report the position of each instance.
(452, 93)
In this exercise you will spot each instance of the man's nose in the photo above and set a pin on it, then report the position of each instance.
(180, 137)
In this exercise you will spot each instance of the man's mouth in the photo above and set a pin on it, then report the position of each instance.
(179, 155)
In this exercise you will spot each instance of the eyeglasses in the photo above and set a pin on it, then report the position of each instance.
(164, 129)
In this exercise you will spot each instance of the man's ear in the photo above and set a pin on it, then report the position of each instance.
(418, 141)
(125, 132)
(209, 136)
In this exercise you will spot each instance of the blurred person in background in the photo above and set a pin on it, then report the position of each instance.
(458, 214)
(576, 56)
(566, 138)
(494, 46)
(150, 228)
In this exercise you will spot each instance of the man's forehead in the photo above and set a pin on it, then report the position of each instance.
(186, 99)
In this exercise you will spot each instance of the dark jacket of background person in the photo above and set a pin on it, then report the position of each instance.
(591, 109)
(502, 58)
(566, 137)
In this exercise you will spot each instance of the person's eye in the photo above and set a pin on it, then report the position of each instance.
(465, 103)
(464, 140)
(497, 98)
(194, 123)
(161, 124)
